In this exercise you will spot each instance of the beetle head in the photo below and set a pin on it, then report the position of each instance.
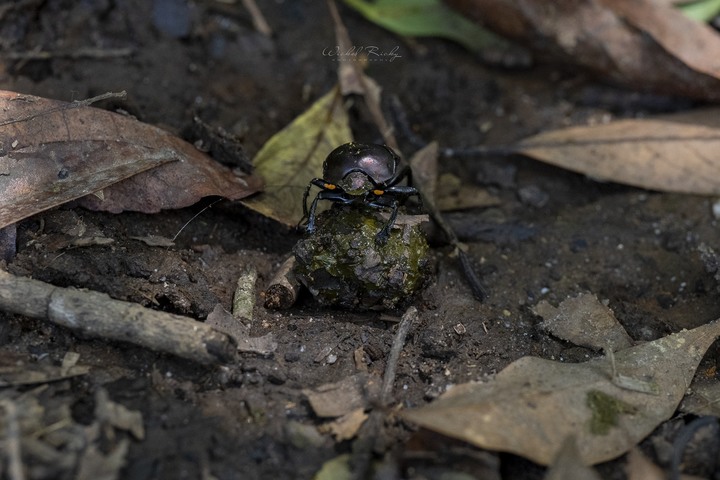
(356, 183)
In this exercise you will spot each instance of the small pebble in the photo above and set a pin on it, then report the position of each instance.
(716, 209)
(533, 196)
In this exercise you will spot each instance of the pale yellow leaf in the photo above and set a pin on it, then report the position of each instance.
(294, 156)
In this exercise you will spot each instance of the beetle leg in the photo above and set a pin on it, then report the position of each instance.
(305, 197)
(405, 192)
(382, 236)
(318, 182)
(310, 228)
(335, 194)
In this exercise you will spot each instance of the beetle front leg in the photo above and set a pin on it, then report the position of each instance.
(335, 194)
(382, 236)
(318, 182)
(305, 197)
(310, 227)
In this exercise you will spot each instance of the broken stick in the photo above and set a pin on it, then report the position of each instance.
(284, 287)
(97, 315)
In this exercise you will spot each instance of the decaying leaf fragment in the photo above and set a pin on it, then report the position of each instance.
(533, 405)
(343, 397)
(52, 152)
(673, 153)
(294, 156)
(583, 320)
(223, 321)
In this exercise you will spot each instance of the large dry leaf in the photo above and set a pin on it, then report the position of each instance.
(294, 156)
(642, 44)
(533, 405)
(52, 152)
(676, 153)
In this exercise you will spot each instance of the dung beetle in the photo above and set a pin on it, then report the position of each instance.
(365, 175)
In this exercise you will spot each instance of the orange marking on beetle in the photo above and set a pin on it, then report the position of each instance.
(330, 186)
(378, 192)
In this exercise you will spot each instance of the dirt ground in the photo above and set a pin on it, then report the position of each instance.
(553, 234)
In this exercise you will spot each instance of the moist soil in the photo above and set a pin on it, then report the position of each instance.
(551, 234)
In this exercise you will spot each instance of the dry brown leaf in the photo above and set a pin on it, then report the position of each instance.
(585, 321)
(223, 321)
(174, 185)
(342, 397)
(676, 153)
(52, 152)
(533, 405)
(694, 43)
(641, 44)
(704, 396)
(347, 426)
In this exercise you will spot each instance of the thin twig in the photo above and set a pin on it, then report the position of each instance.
(402, 124)
(243, 302)
(259, 22)
(367, 87)
(410, 315)
(283, 290)
(370, 437)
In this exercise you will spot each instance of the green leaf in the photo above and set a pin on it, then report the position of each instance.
(702, 10)
(424, 18)
(294, 156)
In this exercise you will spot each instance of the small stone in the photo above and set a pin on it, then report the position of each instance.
(716, 209)
(533, 196)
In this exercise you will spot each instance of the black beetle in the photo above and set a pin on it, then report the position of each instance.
(362, 174)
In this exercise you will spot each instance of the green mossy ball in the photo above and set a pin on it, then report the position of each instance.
(342, 266)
